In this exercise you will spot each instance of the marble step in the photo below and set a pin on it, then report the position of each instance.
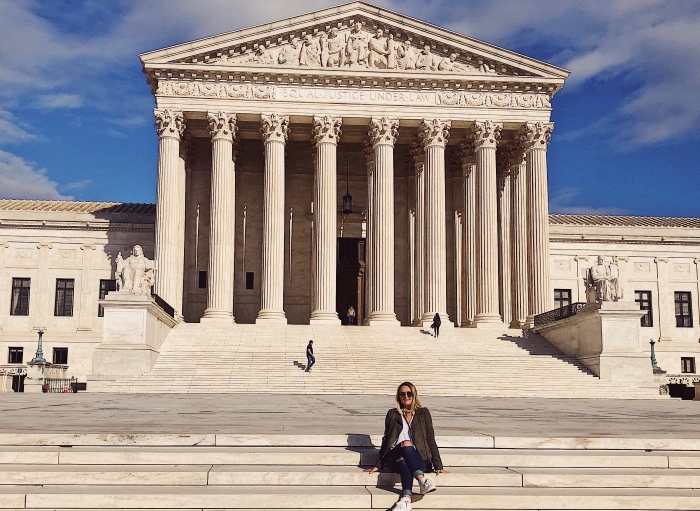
(342, 497)
(338, 456)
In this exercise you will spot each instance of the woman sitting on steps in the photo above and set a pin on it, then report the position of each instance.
(408, 445)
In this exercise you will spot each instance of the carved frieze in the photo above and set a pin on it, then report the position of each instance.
(489, 99)
(354, 44)
(214, 90)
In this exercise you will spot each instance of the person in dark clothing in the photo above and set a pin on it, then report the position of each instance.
(436, 324)
(408, 446)
(310, 359)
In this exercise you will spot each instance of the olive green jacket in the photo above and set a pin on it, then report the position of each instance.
(421, 431)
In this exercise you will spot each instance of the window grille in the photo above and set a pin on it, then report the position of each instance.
(20, 297)
(63, 304)
(684, 309)
(15, 355)
(643, 298)
(562, 298)
(60, 356)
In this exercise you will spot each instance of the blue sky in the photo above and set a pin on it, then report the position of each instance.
(75, 110)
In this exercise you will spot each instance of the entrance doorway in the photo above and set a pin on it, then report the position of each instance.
(350, 279)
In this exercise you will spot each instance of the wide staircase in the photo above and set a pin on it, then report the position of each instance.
(201, 358)
(302, 472)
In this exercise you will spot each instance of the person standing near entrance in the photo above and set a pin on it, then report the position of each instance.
(436, 324)
(351, 315)
(310, 359)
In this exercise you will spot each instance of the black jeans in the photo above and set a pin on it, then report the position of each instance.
(310, 360)
(437, 330)
(412, 465)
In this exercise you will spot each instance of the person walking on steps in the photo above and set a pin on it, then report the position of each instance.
(351, 315)
(408, 445)
(310, 359)
(436, 324)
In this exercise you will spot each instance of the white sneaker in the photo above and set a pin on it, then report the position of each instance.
(426, 486)
(403, 505)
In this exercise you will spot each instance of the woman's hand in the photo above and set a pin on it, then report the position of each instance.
(370, 470)
(443, 471)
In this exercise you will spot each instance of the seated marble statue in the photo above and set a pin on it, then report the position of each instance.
(135, 274)
(600, 284)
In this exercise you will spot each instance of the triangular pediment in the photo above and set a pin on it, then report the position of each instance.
(347, 39)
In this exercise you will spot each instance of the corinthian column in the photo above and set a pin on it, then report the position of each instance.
(382, 135)
(222, 127)
(519, 239)
(535, 138)
(369, 253)
(485, 135)
(433, 135)
(505, 262)
(326, 134)
(418, 155)
(274, 131)
(469, 205)
(170, 206)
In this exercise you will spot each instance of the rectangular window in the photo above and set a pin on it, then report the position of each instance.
(249, 280)
(684, 309)
(562, 298)
(15, 355)
(202, 279)
(106, 285)
(687, 364)
(60, 356)
(20, 297)
(63, 305)
(643, 298)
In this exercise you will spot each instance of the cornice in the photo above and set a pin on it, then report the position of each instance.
(92, 225)
(624, 240)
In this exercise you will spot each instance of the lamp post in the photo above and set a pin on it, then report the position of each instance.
(347, 198)
(654, 365)
(39, 356)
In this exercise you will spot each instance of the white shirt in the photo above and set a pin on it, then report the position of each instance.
(405, 433)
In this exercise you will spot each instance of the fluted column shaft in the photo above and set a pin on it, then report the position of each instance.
(486, 135)
(469, 240)
(326, 133)
(274, 129)
(504, 246)
(222, 127)
(182, 199)
(419, 259)
(383, 133)
(434, 134)
(369, 252)
(169, 207)
(518, 184)
(536, 137)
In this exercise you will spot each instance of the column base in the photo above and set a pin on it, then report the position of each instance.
(529, 323)
(271, 316)
(324, 318)
(518, 324)
(488, 320)
(217, 316)
(379, 318)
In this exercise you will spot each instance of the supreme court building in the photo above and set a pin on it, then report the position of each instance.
(349, 157)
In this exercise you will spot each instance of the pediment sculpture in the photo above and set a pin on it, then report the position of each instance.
(354, 47)
(135, 274)
(603, 282)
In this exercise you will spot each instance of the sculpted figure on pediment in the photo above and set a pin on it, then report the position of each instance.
(450, 64)
(310, 54)
(334, 50)
(356, 46)
(407, 55)
(289, 55)
(262, 56)
(378, 50)
(427, 60)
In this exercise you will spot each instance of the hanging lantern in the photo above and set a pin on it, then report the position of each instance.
(347, 198)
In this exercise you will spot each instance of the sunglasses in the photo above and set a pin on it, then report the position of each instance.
(406, 394)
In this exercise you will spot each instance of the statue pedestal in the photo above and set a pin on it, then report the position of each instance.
(605, 337)
(134, 329)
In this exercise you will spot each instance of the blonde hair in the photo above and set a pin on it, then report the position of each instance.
(416, 402)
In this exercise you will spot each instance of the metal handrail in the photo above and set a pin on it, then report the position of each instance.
(558, 314)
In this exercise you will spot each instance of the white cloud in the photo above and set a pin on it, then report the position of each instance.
(53, 101)
(563, 202)
(18, 180)
(10, 131)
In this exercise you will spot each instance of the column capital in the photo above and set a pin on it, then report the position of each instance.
(326, 129)
(434, 132)
(222, 125)
(535, 135)
(383, 131)
(169, 123)
(485, 134)
(274, 128)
